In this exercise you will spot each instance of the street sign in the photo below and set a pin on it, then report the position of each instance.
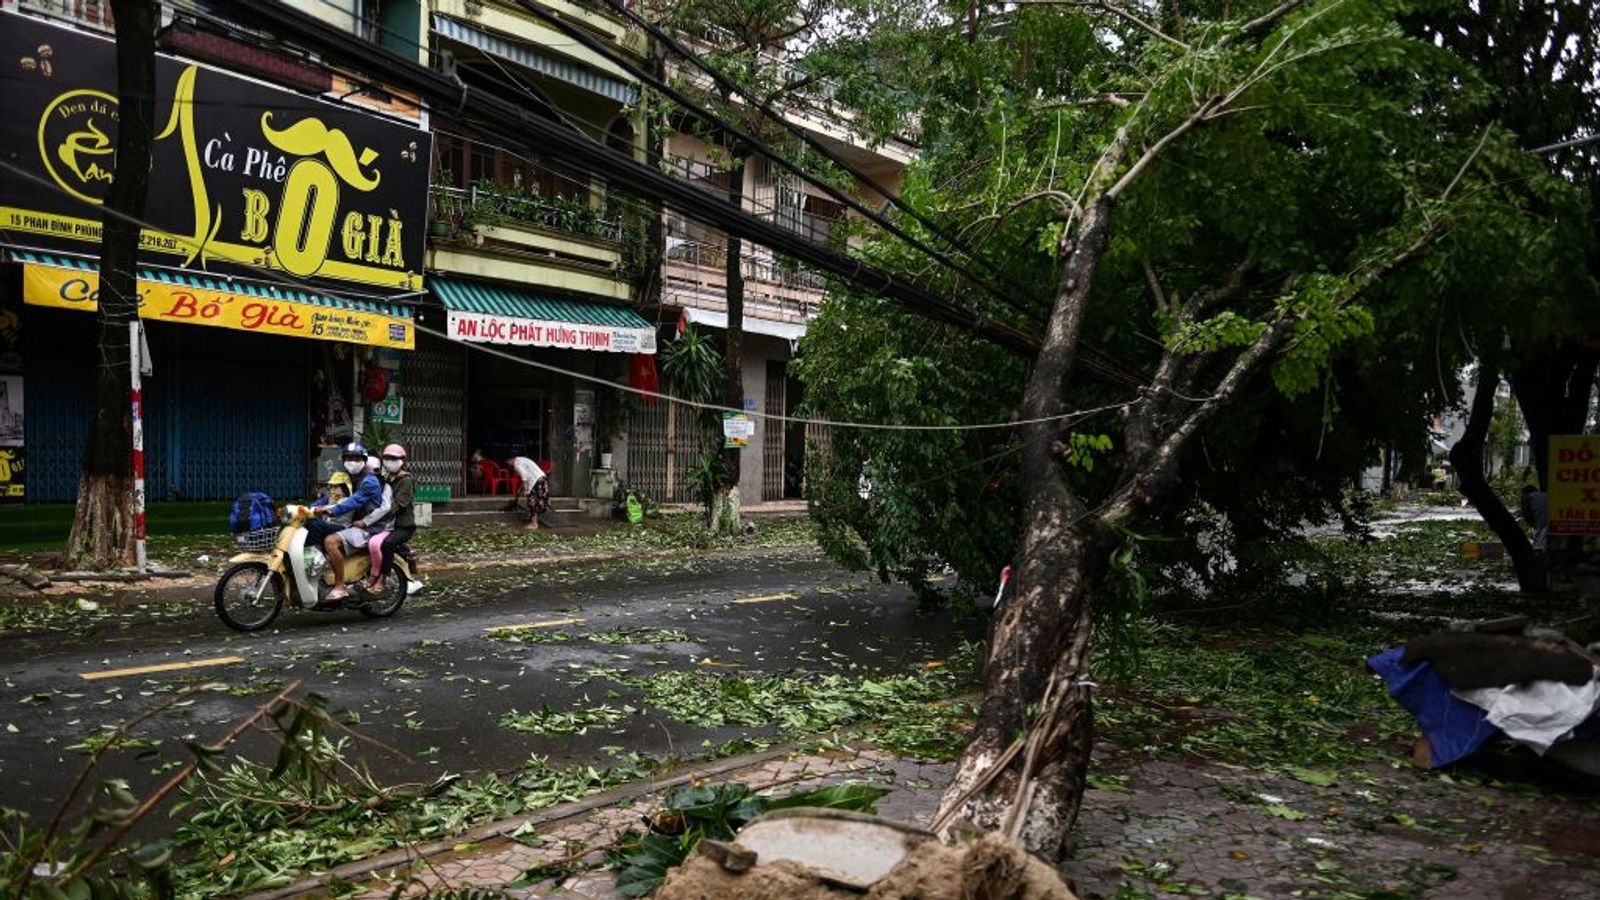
(389, 410)
(1575, 484)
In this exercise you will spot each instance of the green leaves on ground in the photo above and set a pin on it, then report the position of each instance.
(577, 721)
(1262, 698)
(618, 636)
(693, 813)
(245, 831)
(918, 713)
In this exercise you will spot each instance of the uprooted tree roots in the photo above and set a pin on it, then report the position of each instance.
(989, 868)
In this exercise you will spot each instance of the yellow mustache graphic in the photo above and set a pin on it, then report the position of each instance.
(92, 142)
(309, 137)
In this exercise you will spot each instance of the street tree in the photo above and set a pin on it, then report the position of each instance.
(103, 527)
(1541, 60)
(1225, 199)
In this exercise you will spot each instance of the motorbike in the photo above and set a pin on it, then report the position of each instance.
(278, 567)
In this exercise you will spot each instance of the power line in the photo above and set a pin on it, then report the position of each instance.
(289, 280)
(1091, 357)
(322, 36)
(625, 171)
(745, 136)
(1562, 145)
(765, 107)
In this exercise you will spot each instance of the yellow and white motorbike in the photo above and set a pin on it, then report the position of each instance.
(283, 565)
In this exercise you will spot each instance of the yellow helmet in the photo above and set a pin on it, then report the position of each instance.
(339, 478)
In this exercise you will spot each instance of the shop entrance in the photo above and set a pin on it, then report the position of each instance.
(508, 409)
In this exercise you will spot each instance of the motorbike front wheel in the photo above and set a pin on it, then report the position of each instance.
(388, 599)
(243, 604)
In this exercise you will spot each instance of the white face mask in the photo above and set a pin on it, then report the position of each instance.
(354, 467)
(392, 465)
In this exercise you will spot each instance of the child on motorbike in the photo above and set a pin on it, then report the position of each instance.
(336, 539)
(395, 530)
(337, 488)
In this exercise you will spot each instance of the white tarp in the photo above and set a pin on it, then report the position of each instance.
(1537, 713)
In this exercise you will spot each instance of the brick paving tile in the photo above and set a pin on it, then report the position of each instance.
(1191, 828)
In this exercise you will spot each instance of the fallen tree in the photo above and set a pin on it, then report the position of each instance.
(1232, 202)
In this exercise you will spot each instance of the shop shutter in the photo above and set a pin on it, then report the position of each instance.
(227, 415)
(773, 432)
(223, 415)
(59, 368)
(663, 446)
(432, 378)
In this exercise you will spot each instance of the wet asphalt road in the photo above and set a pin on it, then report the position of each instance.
(431, 683)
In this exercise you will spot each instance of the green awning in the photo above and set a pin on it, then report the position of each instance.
(530, 57)
(187, 278)
(485, 312)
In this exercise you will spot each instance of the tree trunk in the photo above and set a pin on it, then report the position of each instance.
(725, 515)
(1552, 390)
(103, 525)
(1039, 651)
(1467, 457)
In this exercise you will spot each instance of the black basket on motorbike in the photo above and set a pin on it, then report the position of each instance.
(259, 540)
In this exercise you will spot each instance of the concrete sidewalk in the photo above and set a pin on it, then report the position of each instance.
(1148, 828)
(575, 838)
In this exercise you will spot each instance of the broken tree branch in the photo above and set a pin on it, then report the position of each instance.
(1067, 205)
(1257, 26)
(1114, 10)
(173, 783)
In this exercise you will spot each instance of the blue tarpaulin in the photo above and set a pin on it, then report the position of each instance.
(1455, 729)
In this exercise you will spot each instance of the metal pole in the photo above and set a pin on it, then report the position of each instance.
(136, 396)
(1575, 142)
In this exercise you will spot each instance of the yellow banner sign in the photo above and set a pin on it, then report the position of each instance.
(65, 288)
(1574, 484)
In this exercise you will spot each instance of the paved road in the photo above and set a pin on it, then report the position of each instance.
(432, 683)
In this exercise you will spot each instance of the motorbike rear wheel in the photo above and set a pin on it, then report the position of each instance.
(237, 604)
(388, 599)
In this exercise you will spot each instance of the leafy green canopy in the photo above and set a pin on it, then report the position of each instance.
(1340, 144)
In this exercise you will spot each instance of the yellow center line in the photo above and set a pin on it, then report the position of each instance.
(526, 625)
(767, 599)
(163, 667)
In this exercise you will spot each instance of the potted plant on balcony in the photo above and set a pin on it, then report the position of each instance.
(486, 209)
(443, 222)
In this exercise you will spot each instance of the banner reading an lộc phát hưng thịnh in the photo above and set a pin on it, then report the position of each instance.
(245, 176)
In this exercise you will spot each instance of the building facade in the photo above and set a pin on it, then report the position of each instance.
(434, 283)
(280, 263)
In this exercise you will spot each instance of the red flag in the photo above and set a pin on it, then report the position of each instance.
(683, 322)
(642, 376)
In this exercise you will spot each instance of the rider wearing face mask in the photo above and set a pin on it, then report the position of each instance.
(399, 522)
(335, 540)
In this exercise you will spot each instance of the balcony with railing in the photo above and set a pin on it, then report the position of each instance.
(694, 272)
(503, 233)
(805, 98)
(488, 205)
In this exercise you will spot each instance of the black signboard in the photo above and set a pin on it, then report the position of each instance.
(13, 475)
(245, 174)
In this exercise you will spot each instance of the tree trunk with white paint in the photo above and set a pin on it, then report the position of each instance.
(724, 515)
(103, 522)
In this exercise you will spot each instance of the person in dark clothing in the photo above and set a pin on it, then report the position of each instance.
(1536, 512)
(396, 529)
